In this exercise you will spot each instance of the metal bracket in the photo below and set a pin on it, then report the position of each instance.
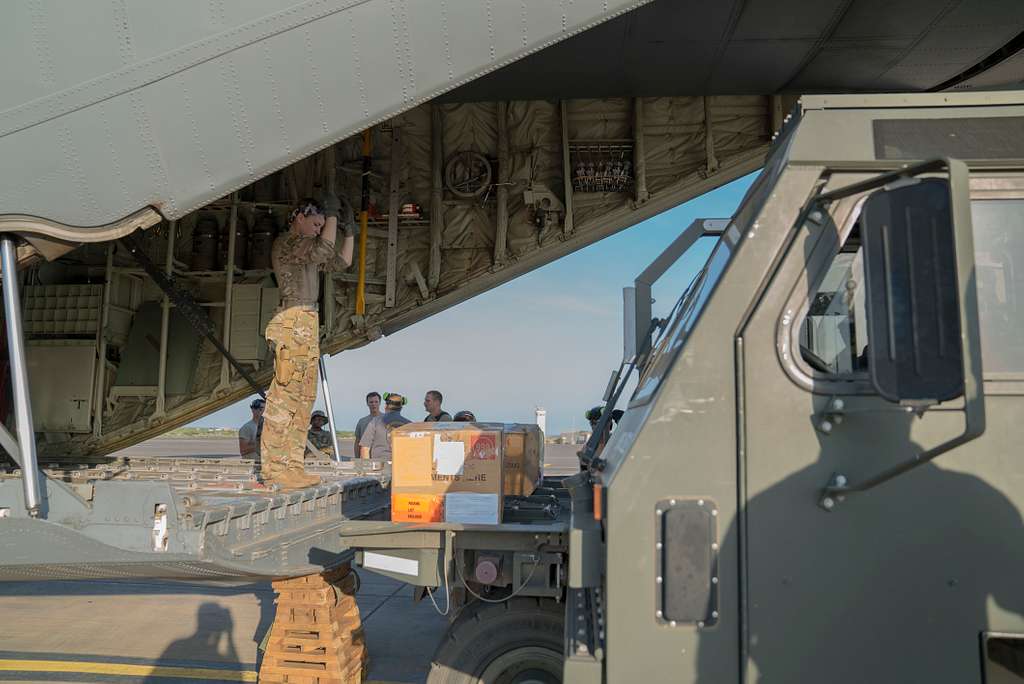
(831, 416)
(832, 494)
(836, 410)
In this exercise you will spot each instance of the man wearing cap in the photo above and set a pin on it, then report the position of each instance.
(248, 434)
(317, 436)
(298, 255)
(376, 440)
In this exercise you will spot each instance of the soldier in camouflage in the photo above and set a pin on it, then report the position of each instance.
(298, 255)
(317, 436)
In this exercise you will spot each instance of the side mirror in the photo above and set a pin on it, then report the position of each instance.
(915, 353)
(924, 344)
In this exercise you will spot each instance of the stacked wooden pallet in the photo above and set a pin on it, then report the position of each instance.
(317, 636)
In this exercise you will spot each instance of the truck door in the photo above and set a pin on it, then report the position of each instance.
(904, 581)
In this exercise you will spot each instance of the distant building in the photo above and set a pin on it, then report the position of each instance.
(577, 437)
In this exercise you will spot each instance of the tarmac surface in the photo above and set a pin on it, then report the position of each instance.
(158, 632)
(165, 631)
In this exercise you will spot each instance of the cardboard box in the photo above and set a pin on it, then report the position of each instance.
(417, 507)
(435, 459)
(523, 458)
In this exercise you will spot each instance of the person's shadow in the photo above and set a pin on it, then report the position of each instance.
(212, 642)
(896, 584)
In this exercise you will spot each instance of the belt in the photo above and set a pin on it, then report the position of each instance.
(296, 304)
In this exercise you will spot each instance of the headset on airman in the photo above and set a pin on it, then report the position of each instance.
(394, 398)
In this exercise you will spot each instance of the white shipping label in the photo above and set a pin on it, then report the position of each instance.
(379, 561)
(472, 508)
(449, 457)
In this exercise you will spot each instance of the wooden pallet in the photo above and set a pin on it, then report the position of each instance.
(317, 635)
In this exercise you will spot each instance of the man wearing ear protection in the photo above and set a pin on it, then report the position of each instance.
(376, 440)
(298, 255)
(593, 417)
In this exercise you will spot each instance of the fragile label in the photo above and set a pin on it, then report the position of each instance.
(483, 447)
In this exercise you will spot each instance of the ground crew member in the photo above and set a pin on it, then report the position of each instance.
(432, 402)
(248, 434)
(372, 403)
(465, 417)
(376, 441)
(317, 436)
(306, 248)
(593, 417)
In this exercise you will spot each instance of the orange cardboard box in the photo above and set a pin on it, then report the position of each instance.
(417, 508)
(437, 459)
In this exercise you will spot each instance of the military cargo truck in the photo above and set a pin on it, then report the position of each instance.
(815, 476)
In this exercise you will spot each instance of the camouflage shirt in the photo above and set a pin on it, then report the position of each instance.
(297, 260)
(321, 439)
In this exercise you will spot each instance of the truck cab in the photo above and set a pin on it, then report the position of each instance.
(815, 478)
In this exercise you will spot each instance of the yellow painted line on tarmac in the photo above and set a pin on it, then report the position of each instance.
(124, 669)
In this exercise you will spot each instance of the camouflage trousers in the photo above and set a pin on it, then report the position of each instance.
(293, 333)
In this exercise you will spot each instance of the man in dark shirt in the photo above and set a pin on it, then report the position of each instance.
(432, 402)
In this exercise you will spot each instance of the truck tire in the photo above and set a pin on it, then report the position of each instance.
(515, 642)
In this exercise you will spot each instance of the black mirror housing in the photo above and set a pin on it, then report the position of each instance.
(915, 352)
(924, 340)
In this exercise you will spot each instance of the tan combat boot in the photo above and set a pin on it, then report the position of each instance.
(293, 479)
(275, 470)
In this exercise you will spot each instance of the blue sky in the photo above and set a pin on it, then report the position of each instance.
(549, 338)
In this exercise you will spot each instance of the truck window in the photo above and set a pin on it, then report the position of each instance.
(833, 335)
(999, 258)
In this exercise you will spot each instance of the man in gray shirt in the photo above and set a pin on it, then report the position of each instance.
(248, 434)
(372, 403)
(376, 440)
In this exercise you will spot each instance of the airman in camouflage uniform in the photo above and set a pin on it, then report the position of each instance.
(317, 435)
(307, 248)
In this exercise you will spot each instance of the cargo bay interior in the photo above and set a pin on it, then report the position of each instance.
(463, 196)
